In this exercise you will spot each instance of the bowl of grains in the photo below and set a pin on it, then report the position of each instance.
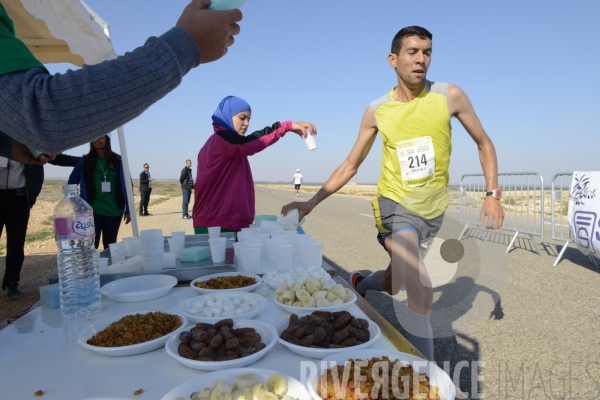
(130, 334)
(226, 282)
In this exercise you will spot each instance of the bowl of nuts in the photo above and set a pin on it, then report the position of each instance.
(321, 334)
(226, 282)
(223, 345)
(130, 334)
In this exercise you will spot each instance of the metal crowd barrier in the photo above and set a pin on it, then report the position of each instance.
(561, 188)
(523, 203)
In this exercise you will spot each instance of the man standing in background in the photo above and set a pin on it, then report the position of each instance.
(186, 182)
(145, 190)
(297, 182)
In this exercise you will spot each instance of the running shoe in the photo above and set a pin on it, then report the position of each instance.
(355, 279)
(13, 292)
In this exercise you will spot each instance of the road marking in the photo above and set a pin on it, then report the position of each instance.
(367, 215)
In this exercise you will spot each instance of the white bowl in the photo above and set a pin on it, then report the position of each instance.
(268, 337)
(139, 288)
(304, 310)
(140, 348)
(184, 308)
(322, 353)
(437, 377)
(214, 291)
(184, 391)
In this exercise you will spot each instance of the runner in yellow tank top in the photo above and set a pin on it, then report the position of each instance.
(414, 121)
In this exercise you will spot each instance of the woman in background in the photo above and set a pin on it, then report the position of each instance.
(99, 175)
(224, 188)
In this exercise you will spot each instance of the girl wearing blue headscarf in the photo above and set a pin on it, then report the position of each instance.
(224, 188)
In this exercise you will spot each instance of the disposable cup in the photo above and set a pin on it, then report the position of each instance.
(169, 261)
(178, 234)
(151, 234)
(314, 254)
(137, 245)
(129, 247)
(153, 263)
(176, 245)
(283, 256)
(248, 258)
(270, 245)
(311, 142)
(117, 252)
(102, 266)
(214, 232)
(217, 250)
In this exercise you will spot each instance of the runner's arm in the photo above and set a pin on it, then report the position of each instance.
(460, 106)
(345, 172)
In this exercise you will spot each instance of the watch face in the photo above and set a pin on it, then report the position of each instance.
(497, 194)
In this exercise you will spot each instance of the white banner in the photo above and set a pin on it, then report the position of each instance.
(584, 211)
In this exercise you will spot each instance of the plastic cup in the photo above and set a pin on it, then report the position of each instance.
(169, 261)
(178, 234)
(214, 232)
(310, 141)
(102, 266)
(248, 258)
(151, 234)
(283, 256)
(117, 252)
(153, 263)
(217, 249)
(270, 245)
(314, 254)
(137, 245)
(176, 245)
(129, 247)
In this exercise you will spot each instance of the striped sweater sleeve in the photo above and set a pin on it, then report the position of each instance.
(53, 113)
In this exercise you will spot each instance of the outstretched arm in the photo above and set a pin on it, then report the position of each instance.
(345, 172)
(460, 106)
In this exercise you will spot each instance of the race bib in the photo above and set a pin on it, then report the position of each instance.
(417, 161)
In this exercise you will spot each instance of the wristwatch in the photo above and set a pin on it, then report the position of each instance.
(495, 193)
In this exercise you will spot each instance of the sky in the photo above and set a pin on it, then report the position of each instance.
(529, 68)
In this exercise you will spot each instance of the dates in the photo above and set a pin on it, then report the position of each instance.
(323, 329)
(219, 342)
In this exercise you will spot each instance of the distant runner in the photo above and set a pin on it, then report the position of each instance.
(297, 182)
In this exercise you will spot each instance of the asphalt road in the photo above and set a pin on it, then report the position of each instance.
(533, 328)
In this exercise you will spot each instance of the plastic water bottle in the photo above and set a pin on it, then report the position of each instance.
(78, 276)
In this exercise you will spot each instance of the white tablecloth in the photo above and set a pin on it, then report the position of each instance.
(39, 351)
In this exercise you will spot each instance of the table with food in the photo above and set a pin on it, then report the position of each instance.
(298, 333)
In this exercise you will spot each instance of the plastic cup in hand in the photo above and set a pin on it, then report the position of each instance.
(102, 266)
(283, 256)
(311, 142)
(314, 254)
(217, 249)
(214, 232)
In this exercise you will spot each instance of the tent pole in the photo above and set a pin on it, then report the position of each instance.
(128, 187)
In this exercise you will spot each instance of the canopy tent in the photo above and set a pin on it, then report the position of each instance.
(68, 31)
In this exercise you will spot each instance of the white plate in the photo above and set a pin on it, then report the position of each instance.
(437, 377)
(184, 308)
(140, 348)
(304, 310)
(214, 291)
(139, 288)
(322, 353)
(268, 336)
(184, 391)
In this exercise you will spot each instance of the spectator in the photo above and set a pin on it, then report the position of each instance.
(99, 175)
(186, 182)
(145, 190)
(52, 113)
(297, 182)
(20, 185)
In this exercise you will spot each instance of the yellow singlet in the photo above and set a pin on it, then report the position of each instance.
(416, 150)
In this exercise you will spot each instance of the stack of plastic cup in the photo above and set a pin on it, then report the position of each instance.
(314, 253)
(117, 252)
(218, 247)
(283, 256)
(153, 248)
(248, 258)
(176, 244)
(214, 232)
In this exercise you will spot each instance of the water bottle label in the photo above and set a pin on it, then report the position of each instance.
(81, 227)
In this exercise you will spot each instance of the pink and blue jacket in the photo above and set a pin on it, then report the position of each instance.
(224, 188)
